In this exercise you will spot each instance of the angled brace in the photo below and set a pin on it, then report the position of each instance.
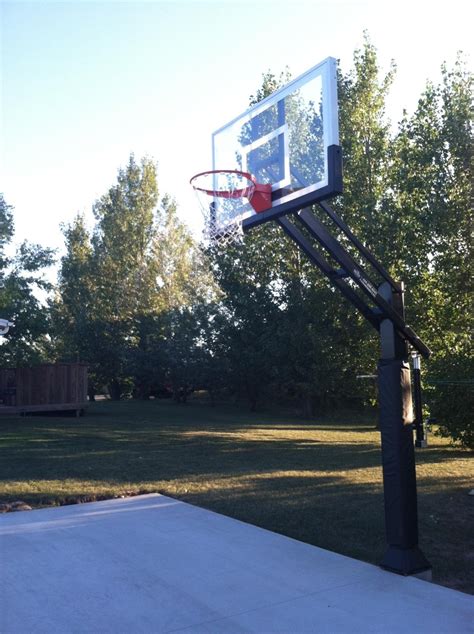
(357, 274)
(334, 276)
(360, 247)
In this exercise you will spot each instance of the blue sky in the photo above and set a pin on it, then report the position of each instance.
(85, 83)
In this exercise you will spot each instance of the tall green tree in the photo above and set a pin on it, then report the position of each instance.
(432, 191)
(119, 284)
(73, 307)
(181, 269)
(122, 240)
(23, 283)
(312, 336)
(335, 339)
(77, 329)
(106, 281)
(169, 345)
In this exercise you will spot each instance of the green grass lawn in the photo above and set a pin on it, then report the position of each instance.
(318, 482)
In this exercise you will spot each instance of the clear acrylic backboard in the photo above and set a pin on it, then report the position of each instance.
(289, 140)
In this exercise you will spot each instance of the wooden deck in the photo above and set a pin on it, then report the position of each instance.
(45, 388)
(9, 410)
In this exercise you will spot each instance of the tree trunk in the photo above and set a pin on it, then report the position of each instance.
(115, 390)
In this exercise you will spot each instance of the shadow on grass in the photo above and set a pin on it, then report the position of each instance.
(316, 483)
(137, 441)
(167, 454)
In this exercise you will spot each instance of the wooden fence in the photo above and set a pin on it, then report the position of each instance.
(47, 387)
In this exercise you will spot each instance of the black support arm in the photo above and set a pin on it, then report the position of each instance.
(358, 275)
(359, 246)
(334, 276)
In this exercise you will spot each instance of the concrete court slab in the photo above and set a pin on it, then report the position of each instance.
(154, 564)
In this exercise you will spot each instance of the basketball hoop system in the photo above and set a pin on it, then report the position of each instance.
(290, 141)
(226, 198)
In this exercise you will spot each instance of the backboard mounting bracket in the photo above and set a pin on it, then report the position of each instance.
(333, 188)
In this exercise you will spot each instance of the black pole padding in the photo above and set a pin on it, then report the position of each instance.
(399, 476)
(403, 555)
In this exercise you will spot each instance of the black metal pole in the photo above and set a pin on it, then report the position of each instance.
(403, 555)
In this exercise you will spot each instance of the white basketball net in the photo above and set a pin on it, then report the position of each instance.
(224, 200)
